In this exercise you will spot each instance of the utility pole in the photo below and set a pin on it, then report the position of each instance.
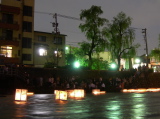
(145, 39)
(56, 33)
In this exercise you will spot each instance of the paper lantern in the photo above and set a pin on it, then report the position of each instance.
(55, 91)
(142, 90)
(78, 93)
(96, 91)
(102, 92)
(21, 95)
(70, 93)
(30, 93)
(153, 90)
(62, 95)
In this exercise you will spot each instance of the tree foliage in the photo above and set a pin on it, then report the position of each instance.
(92, 29)
(120, 36)
(155, 54)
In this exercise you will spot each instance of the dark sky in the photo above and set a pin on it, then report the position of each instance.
(145, 14)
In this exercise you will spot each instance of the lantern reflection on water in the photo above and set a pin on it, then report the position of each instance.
(62, 95)
(21, 95)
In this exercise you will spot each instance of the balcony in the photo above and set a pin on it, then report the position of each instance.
(12, 26)
(9, 60)
(9, 9)
(6, 41)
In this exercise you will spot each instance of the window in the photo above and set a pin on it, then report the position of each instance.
(42, 38)
(58, 53)
(42, 52)
(27, 26)
(26, 57)
(7, 34)
(26, 42)
(7, 18)
(57, 40)
(27, 10)
(6, 51)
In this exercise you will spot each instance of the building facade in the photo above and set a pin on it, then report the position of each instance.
(49, 48)
(17, 43)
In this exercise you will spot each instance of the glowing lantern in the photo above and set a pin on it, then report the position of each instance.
(124, 90)
(62, 95)
(70, 93)
(96, 91)
(142, 90)
(21, 95)
(102, 92)
(79, 93)
(30, 93)
(153, 89)
(55, 91)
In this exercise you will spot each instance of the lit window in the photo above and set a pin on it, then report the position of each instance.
(6, 51)
(42, 52)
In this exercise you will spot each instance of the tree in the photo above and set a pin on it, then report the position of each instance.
(155, 53)
(129, 54)
(70, 58)
(92, 29)
(120, 36)
(53, 57)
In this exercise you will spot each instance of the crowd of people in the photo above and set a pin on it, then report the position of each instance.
(75, 82)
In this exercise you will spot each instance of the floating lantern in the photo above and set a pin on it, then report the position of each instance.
(30, 93)
(62, 95)
(70, 93)
(102, 92)
(55, 91)
(153, 89)
(96, 91)
(78, 93)
(21, 95)
(142, 90)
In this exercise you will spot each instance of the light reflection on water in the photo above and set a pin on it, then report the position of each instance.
(110, 106)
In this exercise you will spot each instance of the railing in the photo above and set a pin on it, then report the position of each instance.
(9, 25)
(10, 39)
(9, 22)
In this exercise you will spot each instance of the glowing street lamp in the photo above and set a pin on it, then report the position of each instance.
(113, 66)
(67, 48)
(76, 64)
(137, 61)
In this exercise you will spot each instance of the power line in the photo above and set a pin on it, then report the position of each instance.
(64, 16)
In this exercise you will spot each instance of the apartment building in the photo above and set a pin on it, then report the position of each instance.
(17, 43)
(48, 48)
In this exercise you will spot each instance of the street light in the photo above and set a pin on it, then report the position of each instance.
(76, 64)
(113, 66)
(137, 61)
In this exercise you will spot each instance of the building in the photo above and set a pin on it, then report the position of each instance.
(48, 48)
(17, 43)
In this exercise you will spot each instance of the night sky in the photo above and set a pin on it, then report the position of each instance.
(145, 14)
